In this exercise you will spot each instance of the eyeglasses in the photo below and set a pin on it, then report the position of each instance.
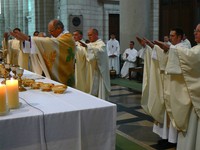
(196, 30)
(50, 31)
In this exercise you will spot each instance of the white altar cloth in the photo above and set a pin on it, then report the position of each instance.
(47, 121)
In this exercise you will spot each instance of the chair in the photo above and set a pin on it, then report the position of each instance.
(138, 69)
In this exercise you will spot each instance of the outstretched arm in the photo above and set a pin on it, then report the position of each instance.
(20, 36)
(162, 45)
(148, 42)
(141, 41)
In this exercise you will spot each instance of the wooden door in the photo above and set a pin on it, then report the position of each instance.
(177, 13)
(114, 25)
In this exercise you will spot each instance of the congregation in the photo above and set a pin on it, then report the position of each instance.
(170, 73)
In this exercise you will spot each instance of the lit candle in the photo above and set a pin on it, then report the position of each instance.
(2, 98)
(12, 93)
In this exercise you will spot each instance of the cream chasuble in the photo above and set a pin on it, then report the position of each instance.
(146, 78)
(180, 101)
(81, 67)
(158, 92)
(189, 63)
(98, 76)
(55, 57)
(156, 99)
(152, 95)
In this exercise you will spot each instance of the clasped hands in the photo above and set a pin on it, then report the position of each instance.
(112, 56)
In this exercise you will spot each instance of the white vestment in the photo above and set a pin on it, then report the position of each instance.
(171, 88)
(186, 43)
(98, 76)
(113, 49)
(130, 61)
(157, 97)
(81, 68)
(189, 63)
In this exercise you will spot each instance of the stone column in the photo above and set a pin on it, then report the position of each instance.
(135, 20)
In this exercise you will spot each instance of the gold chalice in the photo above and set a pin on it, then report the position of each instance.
(20, 72)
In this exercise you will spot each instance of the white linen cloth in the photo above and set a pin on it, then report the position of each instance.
(73, 120)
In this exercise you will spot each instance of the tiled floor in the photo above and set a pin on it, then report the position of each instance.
(132, 122)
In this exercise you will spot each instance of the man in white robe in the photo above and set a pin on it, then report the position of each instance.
(113, 50)
(98, 76)
(166, 40)
(159, 84)
(130, 57)
(168, 130)
(186, 42)
(80, 63)
(188, 65)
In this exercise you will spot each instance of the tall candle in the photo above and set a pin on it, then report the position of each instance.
(2, 98)
(12, 93)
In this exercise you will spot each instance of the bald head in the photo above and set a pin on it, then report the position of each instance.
(55, 27)
(93, 35)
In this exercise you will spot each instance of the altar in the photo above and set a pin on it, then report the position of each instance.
(47, 121)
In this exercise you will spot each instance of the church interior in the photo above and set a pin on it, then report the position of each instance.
(127, 19)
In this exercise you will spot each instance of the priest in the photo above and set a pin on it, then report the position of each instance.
(188, 65)
(98, 78)
(55, 55)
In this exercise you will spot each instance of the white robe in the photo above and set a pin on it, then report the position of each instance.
(169, 87)
(130, 61)
(187, 43)
(189, 63)
(81, 68)
(113, 49)
(157, 96)
(98, 76)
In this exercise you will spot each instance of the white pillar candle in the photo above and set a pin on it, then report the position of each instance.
(2, 98)
(12, 93)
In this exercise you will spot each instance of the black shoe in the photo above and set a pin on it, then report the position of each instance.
(162, 142)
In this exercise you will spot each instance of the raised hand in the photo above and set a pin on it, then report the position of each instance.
(6, 35)
(148, 42)
(162, 45)
(141, 41)
(20, 36)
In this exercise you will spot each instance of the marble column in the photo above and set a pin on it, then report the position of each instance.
(135, 20)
